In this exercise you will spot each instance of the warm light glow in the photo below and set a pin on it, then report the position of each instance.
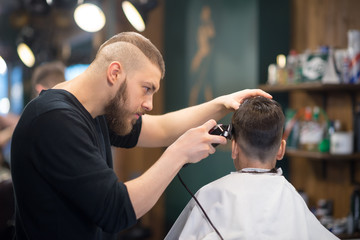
(4, 106)
(26, 55)
(89, 17)
(3, 67)
(133, 16)
(281, 60)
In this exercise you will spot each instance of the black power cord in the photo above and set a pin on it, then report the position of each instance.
(193, 196)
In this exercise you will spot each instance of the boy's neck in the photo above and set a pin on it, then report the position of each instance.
(251, 163)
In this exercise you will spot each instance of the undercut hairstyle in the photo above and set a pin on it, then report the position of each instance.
(123, 52)
(258, 126)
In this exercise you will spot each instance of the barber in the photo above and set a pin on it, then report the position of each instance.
(65, 187)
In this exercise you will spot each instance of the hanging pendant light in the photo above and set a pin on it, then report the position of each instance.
(136, 11)
(89, 17)
(25, 44)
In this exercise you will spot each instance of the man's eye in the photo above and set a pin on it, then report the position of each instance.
(147, 89)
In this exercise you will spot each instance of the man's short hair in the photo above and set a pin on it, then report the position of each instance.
(142, 43)
(258, 127)
(48, 75)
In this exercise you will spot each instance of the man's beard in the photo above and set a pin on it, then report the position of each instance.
(116, 113)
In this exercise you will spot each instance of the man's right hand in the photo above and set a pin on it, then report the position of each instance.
(196, 144)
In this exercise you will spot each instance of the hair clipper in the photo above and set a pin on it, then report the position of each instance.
(221, 130)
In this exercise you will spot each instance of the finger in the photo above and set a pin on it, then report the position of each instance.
(235, 104)
(264, 94)
(258, 92)
(212, 150)
(253, 93)
(215, 140)
(209, 124)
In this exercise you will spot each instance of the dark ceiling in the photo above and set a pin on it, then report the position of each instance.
(52, 28)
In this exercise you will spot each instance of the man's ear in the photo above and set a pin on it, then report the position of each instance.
(281, 150)
(234, 149)
(115, 71)
(39, 88)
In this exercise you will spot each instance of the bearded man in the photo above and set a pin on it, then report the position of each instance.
(65, 187)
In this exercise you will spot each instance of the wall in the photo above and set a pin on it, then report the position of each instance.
(323, 22)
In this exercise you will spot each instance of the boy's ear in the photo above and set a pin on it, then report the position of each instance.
(281, 150)
(234, 149)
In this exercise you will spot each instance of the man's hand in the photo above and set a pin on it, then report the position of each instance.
(232, 101)
(196, 144)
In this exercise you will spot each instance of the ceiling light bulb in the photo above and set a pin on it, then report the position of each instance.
(3, 67)
(281, 60)
(4, 106)
(89, 17)
(26, 55)
(133, 16)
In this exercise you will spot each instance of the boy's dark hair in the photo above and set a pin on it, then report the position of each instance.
(258, 127)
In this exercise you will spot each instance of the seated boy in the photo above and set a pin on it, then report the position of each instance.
(256, 202)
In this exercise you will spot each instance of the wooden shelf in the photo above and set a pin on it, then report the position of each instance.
(310, 86)
(322, 156)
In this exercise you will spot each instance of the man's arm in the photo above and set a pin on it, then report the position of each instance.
(191, 147)
(163, 130)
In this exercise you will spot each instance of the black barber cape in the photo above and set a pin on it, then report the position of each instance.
(61, 164)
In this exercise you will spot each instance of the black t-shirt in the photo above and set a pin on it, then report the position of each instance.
(61, 164)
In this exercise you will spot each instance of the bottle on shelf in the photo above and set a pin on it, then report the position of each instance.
(311, 130)
(341, 142)
(331, 75)
(292, 129)
(281, 71)
(293, 67)
(354, 54)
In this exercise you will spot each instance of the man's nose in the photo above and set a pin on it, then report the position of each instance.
(148, 103)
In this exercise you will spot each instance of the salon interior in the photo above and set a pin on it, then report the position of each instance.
(302, 52)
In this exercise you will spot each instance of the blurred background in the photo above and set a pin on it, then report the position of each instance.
(210, 48)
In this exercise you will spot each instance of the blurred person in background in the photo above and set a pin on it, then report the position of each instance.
(45, 76)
